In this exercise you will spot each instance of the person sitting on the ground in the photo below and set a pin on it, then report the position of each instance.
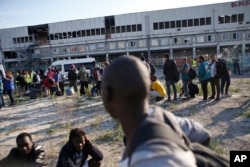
(157, 89)
(193, 89)
(26, 154)
(76, 151)
(127, 102)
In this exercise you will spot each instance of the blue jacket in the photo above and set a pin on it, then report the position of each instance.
(185, 76)
(203, 73)
(9, 84)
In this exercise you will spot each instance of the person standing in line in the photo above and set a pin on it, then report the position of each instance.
(142, 58)
(92, 71)
(236, 65)
(98, 77)
(61, 81)
(203, 76)
(225, 79)
(215, 72)
(168, 70)
(72, 75)
(1, 93)
(9, 86)
(185, 75)
(152, 67)
(21, 83)
(83, 76)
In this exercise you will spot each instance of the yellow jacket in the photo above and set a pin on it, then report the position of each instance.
(157, 86)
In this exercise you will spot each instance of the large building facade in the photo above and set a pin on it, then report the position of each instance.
(222, 29)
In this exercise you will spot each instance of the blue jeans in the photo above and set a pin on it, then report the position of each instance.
(168, 84)
(185, 87)
(10, 94)
(1, 101)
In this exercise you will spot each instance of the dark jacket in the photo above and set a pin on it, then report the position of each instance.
(20, 80)
(67, 156)
(72, 75)
(169, 69)
(34, 159)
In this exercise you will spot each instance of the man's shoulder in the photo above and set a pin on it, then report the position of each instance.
(14, 150)
(163, 151)
(67, 147)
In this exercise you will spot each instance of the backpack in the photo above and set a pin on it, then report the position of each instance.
(176, 72)
(204, 156)
(192, 73)
(176, 76)
(34, 79)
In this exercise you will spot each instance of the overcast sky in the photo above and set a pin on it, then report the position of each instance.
(16, 13)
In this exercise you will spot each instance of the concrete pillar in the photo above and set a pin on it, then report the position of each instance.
(171, 53)
(194, 52)
(107, 57)
(218, 50)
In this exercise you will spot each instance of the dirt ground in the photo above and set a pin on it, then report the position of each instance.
(49, 120)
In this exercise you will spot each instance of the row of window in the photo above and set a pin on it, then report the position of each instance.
(22, 40)
(176, 40)
(142, 43)
(231, 18)
(83, 33)
(98, 31)
(182, 23)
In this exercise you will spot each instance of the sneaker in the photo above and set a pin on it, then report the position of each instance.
(211, 97)
(203, 101)
(227, 95)
(12, 104)
(217, 99)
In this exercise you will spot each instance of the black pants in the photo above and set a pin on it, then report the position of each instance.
(204, 88)
(225, 81)
(84, 85)
(237, 68)
(215, 86)
(61, 86)
(74, 84)
(10, 94)
(97, 87)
